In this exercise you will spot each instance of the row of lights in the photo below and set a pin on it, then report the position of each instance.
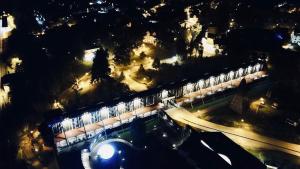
(67, 123)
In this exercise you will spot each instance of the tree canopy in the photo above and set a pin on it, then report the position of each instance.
(100, 68)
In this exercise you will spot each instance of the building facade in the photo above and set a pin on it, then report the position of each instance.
(89, 123)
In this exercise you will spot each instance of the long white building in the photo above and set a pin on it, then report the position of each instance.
(91, 122)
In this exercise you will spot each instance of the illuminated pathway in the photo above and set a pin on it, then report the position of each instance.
(132, 70)
(240, 136)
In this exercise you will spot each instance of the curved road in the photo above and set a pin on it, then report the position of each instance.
(240, 136)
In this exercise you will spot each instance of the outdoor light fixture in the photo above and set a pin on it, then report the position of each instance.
(136, 102)
(104, 112)
(249, 69)
(241, 70)
(201, 83)
(106, 151)
(231, 74)
(164, 94)
(86, 118)
(222, 77)
(257, 67)
(212, 81)
(89, 55)
(67, 123)
(121, 107)
(189, 87)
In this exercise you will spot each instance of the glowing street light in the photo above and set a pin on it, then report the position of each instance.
(201, 84)
(67, 124)
(241, 70)
(164, 94)
(257, 67)
(189, 87)
(212, 81)
(136, 103)
(222, 78)
(86, 118)
(262, 101)
(121, 107)
(104, 113)
(249, 69)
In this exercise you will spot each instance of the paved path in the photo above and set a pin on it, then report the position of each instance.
(240, 136)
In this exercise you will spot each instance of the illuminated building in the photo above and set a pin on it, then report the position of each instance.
(90, 122)
(295, 38)
(210, 49)
(6, 26)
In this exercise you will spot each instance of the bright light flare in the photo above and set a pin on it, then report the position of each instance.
(121, 107)
(164, 94)
(6, 31)
(106, 151)
(225, 158)
(67, 123)
(89, 55)
(104, 113)
(86, 118)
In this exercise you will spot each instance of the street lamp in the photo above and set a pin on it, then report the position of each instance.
(262, 102)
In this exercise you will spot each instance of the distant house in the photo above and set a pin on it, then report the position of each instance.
(6, 26)
(295, 37)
